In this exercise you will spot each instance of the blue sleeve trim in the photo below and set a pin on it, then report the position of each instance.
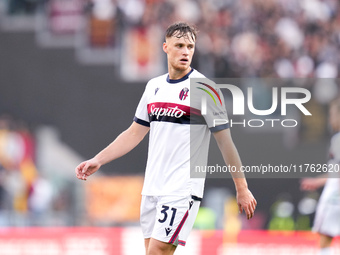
(142, 122)
(220, 127)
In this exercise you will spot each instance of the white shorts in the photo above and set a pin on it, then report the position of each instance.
(168, 218)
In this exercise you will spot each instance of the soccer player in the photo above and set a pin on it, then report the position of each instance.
(327, 217)
(170, 198)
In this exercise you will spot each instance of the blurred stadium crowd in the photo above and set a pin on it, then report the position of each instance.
(28, 197)
(22, 190)
(245, 38)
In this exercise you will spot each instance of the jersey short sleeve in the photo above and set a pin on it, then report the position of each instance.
(141, 115)
(209, 99)
(216, 117)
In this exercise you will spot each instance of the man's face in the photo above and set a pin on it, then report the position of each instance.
(179, 51)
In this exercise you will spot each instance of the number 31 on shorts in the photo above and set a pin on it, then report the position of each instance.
(164, 211)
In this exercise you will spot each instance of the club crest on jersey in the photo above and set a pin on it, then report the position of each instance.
(184, 93)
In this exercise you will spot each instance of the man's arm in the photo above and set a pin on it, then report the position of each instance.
(124, 143)
(311, 184)
(245, 198)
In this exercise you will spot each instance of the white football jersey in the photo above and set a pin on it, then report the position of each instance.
(173, 116)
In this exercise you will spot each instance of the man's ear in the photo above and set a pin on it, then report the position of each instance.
(165, 47)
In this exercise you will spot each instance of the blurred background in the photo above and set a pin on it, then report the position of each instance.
(72, 73)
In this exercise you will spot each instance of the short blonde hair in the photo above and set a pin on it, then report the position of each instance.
(181, 29)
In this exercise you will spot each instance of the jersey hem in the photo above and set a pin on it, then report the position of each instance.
(189, 194)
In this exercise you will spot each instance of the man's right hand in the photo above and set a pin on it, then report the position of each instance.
(87, 168)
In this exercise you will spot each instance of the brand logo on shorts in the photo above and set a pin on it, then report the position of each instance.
(167, 231)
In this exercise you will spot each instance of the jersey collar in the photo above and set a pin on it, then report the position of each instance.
(181, 79)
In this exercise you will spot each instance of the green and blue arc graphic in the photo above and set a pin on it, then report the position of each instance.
(209, 93)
